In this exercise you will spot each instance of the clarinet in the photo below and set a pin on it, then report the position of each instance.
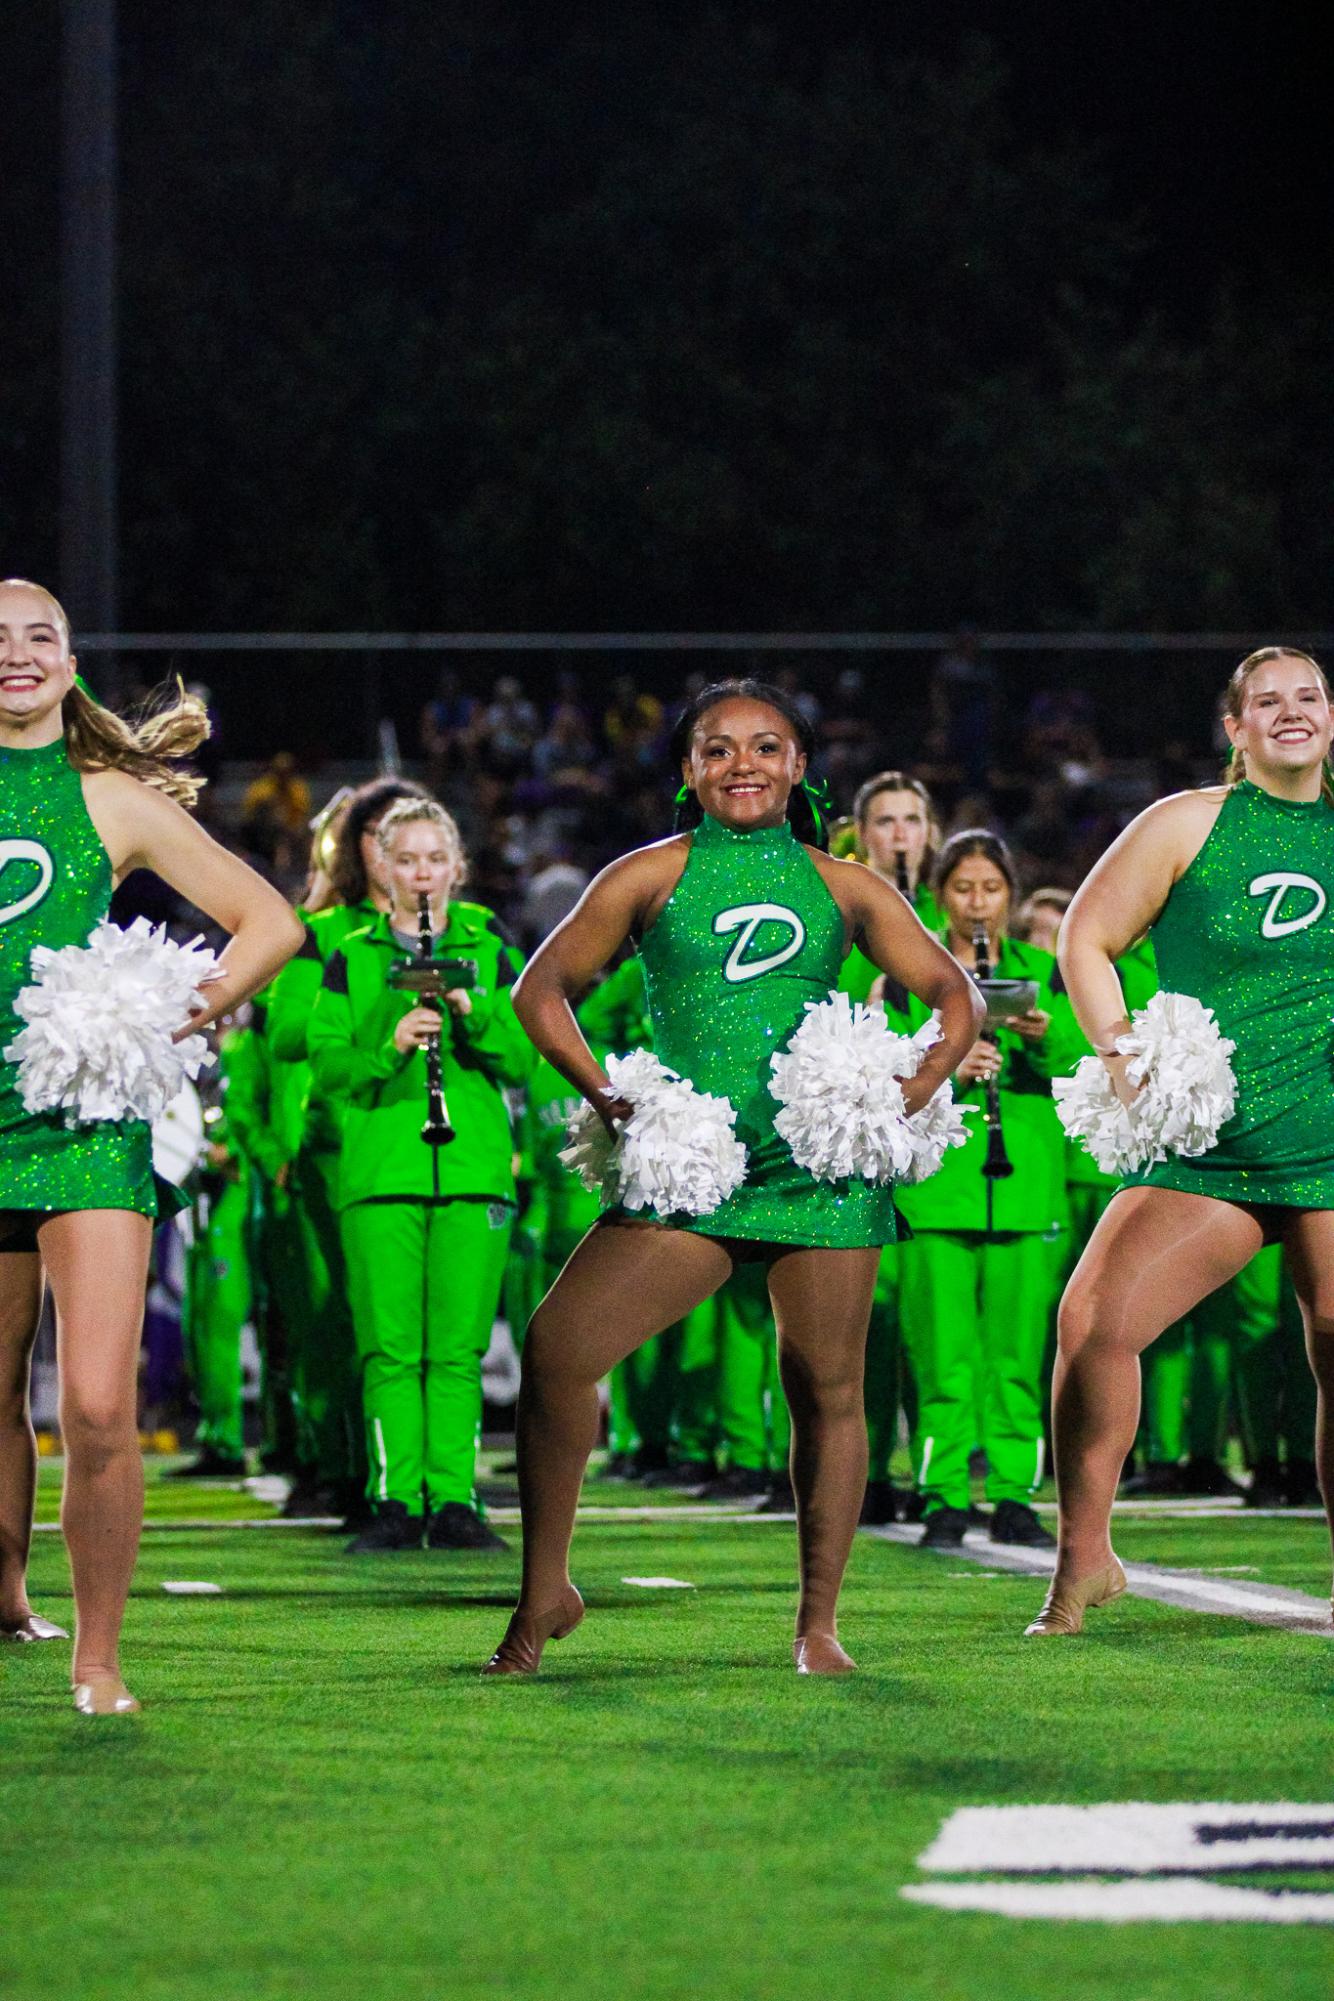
(901, 874)
(437, 1131)
(997, 1163)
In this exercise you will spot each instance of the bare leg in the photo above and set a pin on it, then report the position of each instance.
(1309, 1246)
(1154, 1255)
(20, 1311)
(97, 1263)
(822, 1304)
(624, 1283)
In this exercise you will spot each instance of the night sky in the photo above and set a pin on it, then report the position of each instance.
(399, 350)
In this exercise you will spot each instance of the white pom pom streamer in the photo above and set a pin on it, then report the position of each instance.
(840, 1085)
(1181, 1058)
(100, 1019)
(677, 1153)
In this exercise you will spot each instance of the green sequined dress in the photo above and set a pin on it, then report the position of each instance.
(1249, 930)
(750, 935)
(55, 885)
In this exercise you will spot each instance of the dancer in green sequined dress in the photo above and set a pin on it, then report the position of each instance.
(1235, 883)
(85, 798)
(741, 924)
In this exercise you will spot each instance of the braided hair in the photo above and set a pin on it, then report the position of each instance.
(805, 805)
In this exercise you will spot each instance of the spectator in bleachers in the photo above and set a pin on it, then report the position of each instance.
(506, 729)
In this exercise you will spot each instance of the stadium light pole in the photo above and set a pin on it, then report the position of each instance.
(88, 524)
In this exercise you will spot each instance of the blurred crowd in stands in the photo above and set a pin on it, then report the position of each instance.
(549, 778)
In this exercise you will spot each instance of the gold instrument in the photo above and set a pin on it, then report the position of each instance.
(324, 829)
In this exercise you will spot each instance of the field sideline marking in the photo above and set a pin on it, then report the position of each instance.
(1262, 1604)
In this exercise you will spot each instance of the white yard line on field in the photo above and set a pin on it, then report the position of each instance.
(1261, 1604)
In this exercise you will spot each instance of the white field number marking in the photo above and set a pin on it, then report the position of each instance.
(1171, 1853)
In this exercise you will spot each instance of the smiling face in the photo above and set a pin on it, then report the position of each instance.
(421, 855)
(895, 823)
(975, 892)
(36, 665)
(744, 761)
(1284, 724)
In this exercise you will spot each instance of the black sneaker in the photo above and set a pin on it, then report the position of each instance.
(1160, 1478)
(209, 1466)
(1013, 1521)
(780, 1499)
(1301, 1489)
(880, 1504)
(1266, 1488)
(318, 1498)
(944, 1528)
(456, 1526)
(681, 1473)
(736, 1484)
(390, 1527)
(1206, 1476)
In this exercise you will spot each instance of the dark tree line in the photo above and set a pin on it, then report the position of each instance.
(434, 319)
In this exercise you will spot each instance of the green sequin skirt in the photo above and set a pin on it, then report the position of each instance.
(781, 1203)
(47, 1167)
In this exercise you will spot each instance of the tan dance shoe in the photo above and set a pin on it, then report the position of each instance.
(520, 1652)
(104, 1695)
(1064, 1607)
(820, 1653)
(33, 1627)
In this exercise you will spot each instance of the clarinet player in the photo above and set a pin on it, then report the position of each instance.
(977, 1276)
(425, 1219)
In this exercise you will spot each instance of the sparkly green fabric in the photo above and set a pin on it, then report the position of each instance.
(1249, 930)
(55, 884)
(747, 938)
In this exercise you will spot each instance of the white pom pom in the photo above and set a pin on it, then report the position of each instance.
(100, 1019)
(677, 1153)
(1181, 1059)
(840, 1085)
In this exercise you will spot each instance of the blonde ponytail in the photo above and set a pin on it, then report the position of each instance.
(96, 739)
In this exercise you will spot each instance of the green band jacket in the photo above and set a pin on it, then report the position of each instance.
(381, 1091)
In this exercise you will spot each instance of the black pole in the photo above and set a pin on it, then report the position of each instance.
(88, 537)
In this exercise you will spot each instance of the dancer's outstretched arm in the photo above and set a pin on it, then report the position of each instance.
(142, 828)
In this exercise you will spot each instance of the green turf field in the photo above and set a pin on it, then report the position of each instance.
(321, 1797)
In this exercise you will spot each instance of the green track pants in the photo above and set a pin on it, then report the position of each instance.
(1275, 1390)
(1186, 1377)
(424, 1281)
(663, 1396)
(216, 1307)
(975, 1314)
(884, 1379)
(753, 1429)
(311, 1290)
